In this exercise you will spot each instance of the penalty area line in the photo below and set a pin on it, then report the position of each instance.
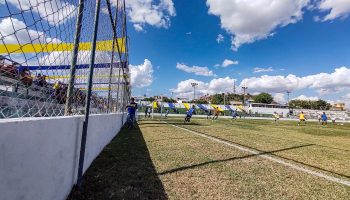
(271, 158)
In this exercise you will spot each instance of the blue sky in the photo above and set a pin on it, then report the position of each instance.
(274, 46)
(306, 47)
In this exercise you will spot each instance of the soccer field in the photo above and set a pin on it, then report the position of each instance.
(244, 159)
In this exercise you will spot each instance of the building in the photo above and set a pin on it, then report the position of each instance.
(338, 106)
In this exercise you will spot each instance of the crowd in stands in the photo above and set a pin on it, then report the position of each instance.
(15, 72)
(57, 90)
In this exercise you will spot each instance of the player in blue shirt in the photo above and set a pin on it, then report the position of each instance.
(189, 114)
(324, 119)
(131, 109)
(234, 114)
(166, 113)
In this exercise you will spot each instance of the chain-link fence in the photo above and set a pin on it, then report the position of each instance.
(48, 52)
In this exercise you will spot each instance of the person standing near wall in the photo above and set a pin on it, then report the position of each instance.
(131, 109)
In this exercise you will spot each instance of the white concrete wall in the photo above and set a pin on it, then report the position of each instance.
(39, 156)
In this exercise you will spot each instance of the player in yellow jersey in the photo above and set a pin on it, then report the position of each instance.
(277, 117)
(302, 118)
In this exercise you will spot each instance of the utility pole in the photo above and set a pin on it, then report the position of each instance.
(194, 90)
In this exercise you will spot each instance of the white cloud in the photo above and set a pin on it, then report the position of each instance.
(260, 70)
(142, 12)
(279, 98)
(218, 85)
(249, 21)
(322, 82)
(201, 71)
(65, 57)
(336, 8)
(55, 13)
(138, 27)
(220, 38)
(189, 33)
(141, 75)
(228, 62)
(346, 99)
(305, 98)
(12, 28)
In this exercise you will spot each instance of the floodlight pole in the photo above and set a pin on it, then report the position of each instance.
(70, 90)
(194, 90)
(288, 93)
(88, 97)
(245, 88)
(234, 86)
(224, 98)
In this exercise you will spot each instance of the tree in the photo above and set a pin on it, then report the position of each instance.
(263, 98)
(305, 104)
(168, 100)
(149, 99)
(217, 99)
(199, 101)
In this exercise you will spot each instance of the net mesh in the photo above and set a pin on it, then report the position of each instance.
(37, 40)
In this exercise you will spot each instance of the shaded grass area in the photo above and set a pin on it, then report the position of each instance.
(124, 170)
(157, 161)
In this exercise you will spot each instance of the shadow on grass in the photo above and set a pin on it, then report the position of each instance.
(262, 153)
(230, 159)
(175, 123)
(124, 170)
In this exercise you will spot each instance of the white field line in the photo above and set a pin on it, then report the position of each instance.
(259, 153)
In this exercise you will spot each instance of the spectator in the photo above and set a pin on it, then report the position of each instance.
(25, 77)
(40, 80)
(57, 88)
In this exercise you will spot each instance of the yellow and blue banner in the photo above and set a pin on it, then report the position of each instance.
(187, 106)
(217, 107)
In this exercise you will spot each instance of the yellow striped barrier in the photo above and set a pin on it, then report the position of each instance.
(105, 45)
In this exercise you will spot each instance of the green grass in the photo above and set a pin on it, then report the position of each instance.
(158, 161)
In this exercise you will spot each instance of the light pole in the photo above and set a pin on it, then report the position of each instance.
(234, 86)
(288, 93)
(245, 88)
(224, 98)
(194, 90)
